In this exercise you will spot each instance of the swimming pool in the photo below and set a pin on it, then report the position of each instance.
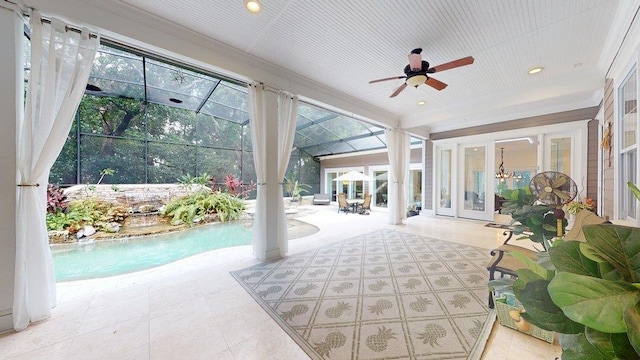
(125, 255)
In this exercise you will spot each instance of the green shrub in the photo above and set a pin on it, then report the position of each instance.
(79, 213)
(193, 208)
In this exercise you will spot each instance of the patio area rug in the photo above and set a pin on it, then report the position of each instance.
(381, 295)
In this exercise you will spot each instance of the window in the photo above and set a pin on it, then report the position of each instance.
(628, 120)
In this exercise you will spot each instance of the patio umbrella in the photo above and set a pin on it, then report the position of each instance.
(353, 176)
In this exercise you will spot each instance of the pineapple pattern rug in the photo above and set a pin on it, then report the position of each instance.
(381, 295)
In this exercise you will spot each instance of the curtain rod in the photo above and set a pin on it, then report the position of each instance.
(25, 11)
(68, 27)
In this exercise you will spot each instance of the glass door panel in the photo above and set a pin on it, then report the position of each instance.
(380, 191)
(414, 195)
(560, 151)
(474, 184)
(444, 204)
(472, 191)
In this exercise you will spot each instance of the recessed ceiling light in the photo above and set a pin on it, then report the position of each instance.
(254, 6)
(421, 102)
(535, 70)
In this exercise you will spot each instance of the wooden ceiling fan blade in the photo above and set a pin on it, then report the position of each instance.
(452, 64)
(562, 195)
(436, 84)
(398, 90)
(559, 182)
(387, 79)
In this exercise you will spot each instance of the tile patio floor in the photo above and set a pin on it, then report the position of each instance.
(193, 308)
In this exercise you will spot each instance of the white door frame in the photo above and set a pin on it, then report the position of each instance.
(577, 130)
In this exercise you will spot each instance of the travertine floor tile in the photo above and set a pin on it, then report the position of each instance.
(194, 309)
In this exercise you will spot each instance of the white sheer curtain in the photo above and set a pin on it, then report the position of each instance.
(61, 61)
(398, 148)
(287, 119)
(258, 121)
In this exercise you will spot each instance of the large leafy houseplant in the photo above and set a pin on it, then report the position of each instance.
(530, 219)
(589, 292)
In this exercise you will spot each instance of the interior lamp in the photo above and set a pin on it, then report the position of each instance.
(416, 80)
(254, 6)
(502, 175)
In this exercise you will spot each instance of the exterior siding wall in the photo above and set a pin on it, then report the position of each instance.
(541, 120)
(593, 146)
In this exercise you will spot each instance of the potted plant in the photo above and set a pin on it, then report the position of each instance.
(530, 220)
(588, 292)
(294, 188)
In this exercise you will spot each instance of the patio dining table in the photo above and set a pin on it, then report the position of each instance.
(355, 204)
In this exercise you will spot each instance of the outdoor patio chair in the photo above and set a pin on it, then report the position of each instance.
(365, 207)
(343, 205)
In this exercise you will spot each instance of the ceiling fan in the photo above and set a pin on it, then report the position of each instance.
(417, 69)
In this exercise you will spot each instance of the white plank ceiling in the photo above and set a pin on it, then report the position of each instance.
(345, 44)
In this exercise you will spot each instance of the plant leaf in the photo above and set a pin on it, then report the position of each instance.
(596, 303)
(619, 245)
(542, 312)
(531, 264)
(566, 256)
(611, 346)
(500, 283)
(632, 320)
(524, 277)
(545, 261)
(577, 347)
(590, 252)
(634, 189)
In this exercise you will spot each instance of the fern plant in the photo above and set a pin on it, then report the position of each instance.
(193, 208)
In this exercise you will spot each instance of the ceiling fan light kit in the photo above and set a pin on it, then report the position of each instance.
(254, 6)
(417, 69)
(416, 80)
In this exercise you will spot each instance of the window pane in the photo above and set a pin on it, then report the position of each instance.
(170, 162)
(381, 187)
(629, 174)
(125, 157)
(629, 110)
(445, 179)
(64, 171)
(116, 74)
(474, 178)
(228, 102)
(219, 163)
(561, 155)
(112, 116)
(169, 124)
(175, 86)
(415, 189)
(218, 132)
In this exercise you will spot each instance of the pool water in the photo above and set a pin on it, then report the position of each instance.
(125, 255)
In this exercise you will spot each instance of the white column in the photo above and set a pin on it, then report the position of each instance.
(11, 103)
(273, 216)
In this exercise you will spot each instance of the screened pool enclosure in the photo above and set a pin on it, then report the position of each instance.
(153, 120)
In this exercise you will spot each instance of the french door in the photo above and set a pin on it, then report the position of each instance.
(475, 199)
(465, 178)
